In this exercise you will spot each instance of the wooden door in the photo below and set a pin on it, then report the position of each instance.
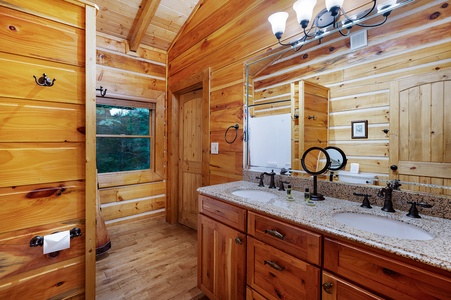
(420, 130)
(190, 156)
(221, 260)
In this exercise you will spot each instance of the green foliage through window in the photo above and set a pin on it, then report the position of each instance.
(124, 139)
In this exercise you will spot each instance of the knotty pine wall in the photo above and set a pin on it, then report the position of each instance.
(137, 76)
(415, 40)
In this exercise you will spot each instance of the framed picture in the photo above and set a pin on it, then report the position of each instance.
(359, 129)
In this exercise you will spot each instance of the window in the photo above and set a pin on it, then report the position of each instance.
(125, 135)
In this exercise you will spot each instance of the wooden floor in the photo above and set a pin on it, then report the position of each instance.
(149, 259)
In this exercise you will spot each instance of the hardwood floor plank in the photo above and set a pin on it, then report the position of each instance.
(149, 259)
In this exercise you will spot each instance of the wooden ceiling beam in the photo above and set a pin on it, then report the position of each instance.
(147, 13)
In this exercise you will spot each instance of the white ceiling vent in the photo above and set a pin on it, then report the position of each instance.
(358, 40)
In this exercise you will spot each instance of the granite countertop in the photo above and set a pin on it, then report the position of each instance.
(435, 252)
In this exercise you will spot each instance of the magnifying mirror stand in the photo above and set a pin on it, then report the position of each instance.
(315, 196)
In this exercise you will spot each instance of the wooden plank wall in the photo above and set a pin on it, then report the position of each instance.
(415, 40)
(139, 76)
(45, 148)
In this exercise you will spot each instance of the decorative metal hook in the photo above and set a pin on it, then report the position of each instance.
(102, 91)
(44, 80)
(311, 117)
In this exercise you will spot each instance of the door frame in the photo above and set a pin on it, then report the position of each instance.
(197, 81)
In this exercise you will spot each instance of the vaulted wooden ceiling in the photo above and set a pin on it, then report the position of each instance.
(154, 23)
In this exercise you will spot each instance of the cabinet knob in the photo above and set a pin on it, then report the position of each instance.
(394, 167)
(238, 241)
(327, 286)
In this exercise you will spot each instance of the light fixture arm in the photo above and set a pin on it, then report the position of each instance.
(373, 25)
(327, 21)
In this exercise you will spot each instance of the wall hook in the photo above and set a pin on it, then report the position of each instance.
(44, 80)
(385, 130)
(102, 91)
(311, 117)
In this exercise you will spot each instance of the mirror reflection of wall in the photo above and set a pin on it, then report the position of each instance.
(399, 91)
(269, 141)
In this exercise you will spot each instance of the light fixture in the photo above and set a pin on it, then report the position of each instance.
(328, 20)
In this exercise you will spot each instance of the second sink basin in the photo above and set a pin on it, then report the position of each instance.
(382, 226)
(257, 195)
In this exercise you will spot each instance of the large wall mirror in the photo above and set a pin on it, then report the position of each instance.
(389, 118)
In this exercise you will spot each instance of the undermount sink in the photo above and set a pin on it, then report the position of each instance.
(257, 195)
(382, 226)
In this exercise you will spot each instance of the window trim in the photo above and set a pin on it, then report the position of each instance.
(158, 142)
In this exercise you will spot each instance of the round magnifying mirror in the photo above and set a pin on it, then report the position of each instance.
(337, 158)
(315, 161)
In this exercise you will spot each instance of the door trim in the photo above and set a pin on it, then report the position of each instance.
(201, 80)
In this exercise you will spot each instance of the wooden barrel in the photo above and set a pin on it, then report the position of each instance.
(103, 243)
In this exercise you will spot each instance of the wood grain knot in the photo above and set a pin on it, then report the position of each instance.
(12, 28)
(435, 15)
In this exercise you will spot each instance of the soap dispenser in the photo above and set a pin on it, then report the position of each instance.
(289, 195)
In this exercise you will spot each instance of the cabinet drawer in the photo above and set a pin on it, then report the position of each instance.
(301, 243)
(383, 275)
(334, 288)
(223, 212)
(278, 275)
(253, 295)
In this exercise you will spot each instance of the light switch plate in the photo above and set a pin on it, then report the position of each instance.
(214, 148)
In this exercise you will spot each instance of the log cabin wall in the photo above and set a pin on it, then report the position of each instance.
(415, 40)
(138, 76)
(47, 148)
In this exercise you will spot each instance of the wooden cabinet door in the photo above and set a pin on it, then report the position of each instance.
(420, 130)
(334, 288)
(221, 260)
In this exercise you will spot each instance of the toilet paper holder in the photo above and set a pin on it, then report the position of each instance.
(39, 240)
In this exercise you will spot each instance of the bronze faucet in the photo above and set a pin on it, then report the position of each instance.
(386, 193)
(272, 183)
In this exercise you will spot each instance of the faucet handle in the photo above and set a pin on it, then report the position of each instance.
(260, 183)
(413, 211)
(281, 186)
(366, 201)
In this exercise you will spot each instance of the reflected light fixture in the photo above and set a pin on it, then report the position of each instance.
(331, 19)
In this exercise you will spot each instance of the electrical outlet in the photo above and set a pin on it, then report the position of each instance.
(214, 148)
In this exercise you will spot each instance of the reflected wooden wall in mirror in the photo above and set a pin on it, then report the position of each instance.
(364, 84)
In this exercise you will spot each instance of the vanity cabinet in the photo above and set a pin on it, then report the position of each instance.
(281, 258)
(221, 249)
(246, 254)
(381, 274)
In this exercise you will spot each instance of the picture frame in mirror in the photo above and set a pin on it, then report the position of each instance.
(359, 129)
